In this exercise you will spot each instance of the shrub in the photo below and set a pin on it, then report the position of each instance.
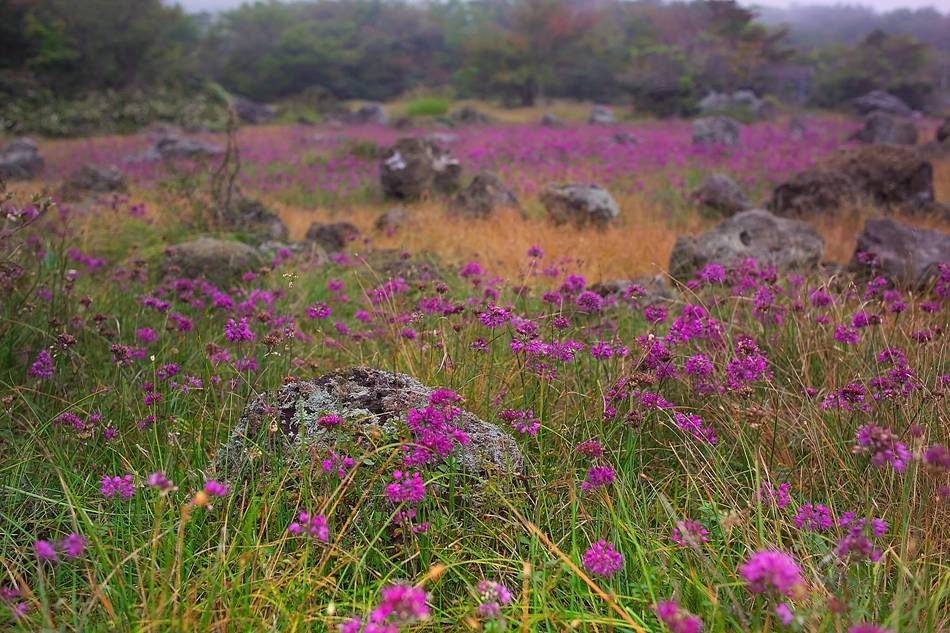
(428, 106)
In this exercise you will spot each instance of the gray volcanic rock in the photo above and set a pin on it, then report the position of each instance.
(482, 197)
(250, 214)
(878, 100)
(906, 255)
(20, 160)
(880, 127)
(283, 426)
(251, 112)
(549, 120)
(392, 220)
(96, 179)
(601, 115)
(413, 166)
(173, 147)
(219, 261)
(720, 195)
(884, 174)
(333, 238)
(655, 289)
(777, 242)
(370, 113)
(715, 130)
(580, 203)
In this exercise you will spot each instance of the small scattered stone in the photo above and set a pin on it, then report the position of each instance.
(720, 195)
(601, 115)
(333, 238)
(715, 130)
(21, 160)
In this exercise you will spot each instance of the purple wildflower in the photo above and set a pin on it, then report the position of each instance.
(655, 314)
(773, 573)
(883, 447)
(602, 559)
(43, 366)
(312, 526)
(598, 477)
(121, 486)
(318, 311)
(814, 518)
(406, 489)
(45, 552)
(677, 620)
(689, 533)
(238, 331)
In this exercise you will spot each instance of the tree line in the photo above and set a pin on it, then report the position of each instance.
(661, 56)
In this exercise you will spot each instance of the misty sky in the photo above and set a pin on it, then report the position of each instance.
(880, 5)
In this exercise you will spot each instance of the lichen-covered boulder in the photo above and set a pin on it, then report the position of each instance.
(880, 127)
(780, 243)
(715, 130)
(20, 160)
(482, 197)
(720, 195)
(373, 404)
(580, 203)
(413, 166)
(219, 261)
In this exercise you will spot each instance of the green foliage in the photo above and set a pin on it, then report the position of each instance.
(898, 64)
(113, 112)
(428, 106)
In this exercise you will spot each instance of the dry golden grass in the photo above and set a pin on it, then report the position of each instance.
(641, 245)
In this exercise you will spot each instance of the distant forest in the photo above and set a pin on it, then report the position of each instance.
(663, 57)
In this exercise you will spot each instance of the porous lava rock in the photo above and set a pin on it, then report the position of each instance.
(482, 197)
(334, 237)
(905, 254)
(414, 165)
(880, 127)
(219, 261)
(283, 426)
(885, 174)
(781, 243)
(580, 204)
(20, 160)
(715, 130)
(391, 220)
(719, 195)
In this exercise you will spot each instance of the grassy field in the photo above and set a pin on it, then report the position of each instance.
(764, 453)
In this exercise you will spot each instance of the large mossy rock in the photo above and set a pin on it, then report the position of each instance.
(780, 243)
(284, 426)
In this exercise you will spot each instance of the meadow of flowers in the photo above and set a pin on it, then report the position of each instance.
(765, 452)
